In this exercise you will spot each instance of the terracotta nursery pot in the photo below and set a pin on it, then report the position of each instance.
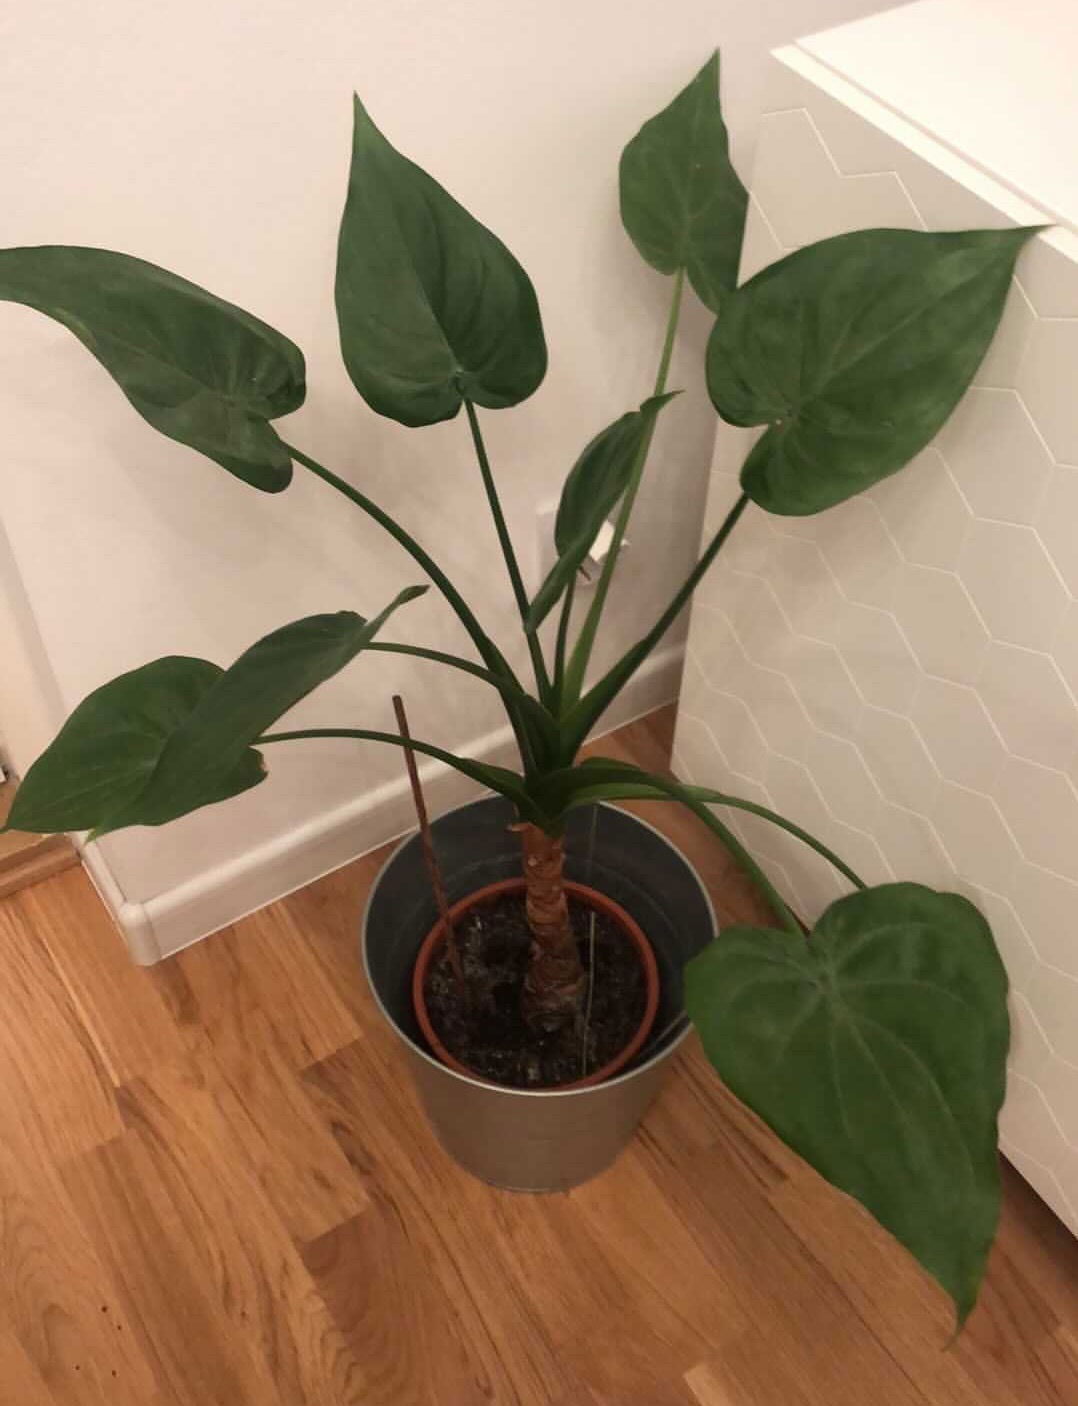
(524, 1139)
(593, 899)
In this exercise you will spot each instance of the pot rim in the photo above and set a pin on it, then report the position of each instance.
(584, 893)
(666, 1048)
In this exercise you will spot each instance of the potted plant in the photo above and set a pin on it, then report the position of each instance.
(875, 1044)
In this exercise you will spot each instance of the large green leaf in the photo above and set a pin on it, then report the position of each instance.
(595, 483)
(877, 1051)
(431, 306)
(175, 735)
(198, 369)
(682, 203)
(854, 351)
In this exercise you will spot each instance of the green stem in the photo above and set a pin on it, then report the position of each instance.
(542, 678)
(744, 858)
(578, 664)
(488, 650)
(562, 641)
(594, 703)
(736, 803)
(501, 682)
(498, 779)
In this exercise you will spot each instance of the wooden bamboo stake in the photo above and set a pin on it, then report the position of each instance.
(429, 857)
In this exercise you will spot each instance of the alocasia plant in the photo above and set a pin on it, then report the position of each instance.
(875, 1044)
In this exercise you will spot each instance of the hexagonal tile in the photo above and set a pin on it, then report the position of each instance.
(1013, 584)
(1026, 1124)
(939, 621)
(1030, 1051)
(958, 733)
(1030, 705)
(1012, 939)
(896, 756)
(1050, 275)
(776, 709)
(1046, 384)
(1041, 808)
(877, 655)
(1049, 905)
(806, 589)
(759, 246)
(715, 647)
(859, 551)
(823, 684)
(803, 194)
(1054, 998)
(974, 836)
(735, 733)
(1057, 1080)
(750, 546)
(1057, 523)
(1065, 647)
(924, 511)
(845, 783)
(913, 848)
(996, 455)
(1000, 366)
(697, 754)
(759, 623)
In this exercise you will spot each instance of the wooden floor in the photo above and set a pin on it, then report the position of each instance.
(216, 1189)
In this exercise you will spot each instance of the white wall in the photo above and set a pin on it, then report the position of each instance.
(899, 674)
(214, 139)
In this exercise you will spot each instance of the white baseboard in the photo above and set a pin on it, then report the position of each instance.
(180, 916)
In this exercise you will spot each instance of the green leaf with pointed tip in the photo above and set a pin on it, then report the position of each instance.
(854, 352)
(177, 734)
(877, 1051)
(431, 306)
(682, 203)
(200, 370)
(595, 483)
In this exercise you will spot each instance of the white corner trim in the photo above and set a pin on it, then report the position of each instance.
(180, 916)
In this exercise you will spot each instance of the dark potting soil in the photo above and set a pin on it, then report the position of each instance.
(492, 1038)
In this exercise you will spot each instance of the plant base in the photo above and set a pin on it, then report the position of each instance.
(519, 1139)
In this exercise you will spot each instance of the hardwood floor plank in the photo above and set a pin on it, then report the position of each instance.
(216, 1181)
(57, 1301)
(19, 1377)
(298, 1162)
(377, 1120)
(56, 1094)
(387, 1302)
(117, 1001)
(162, 1282)
(256, 1273)
(259, 977)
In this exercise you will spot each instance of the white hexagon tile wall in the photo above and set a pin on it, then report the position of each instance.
(900, 674)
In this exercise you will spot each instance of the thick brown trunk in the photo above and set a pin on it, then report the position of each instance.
(555, 983)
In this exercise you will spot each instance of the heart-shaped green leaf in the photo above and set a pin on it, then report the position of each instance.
(595, 483)
(682, 203)
(176, 735)
(431, 306)
(877, 1051)
(854, 351)
(198, 369)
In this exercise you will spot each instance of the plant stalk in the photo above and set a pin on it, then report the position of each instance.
(430, 859)
(578, 664)
(488, 650)
(556, 980)
(542, 678)
(594, 703)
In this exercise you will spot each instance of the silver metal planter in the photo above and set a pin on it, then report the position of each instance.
(519, 1139)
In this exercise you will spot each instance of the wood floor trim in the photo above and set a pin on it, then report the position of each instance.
(28, 859)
